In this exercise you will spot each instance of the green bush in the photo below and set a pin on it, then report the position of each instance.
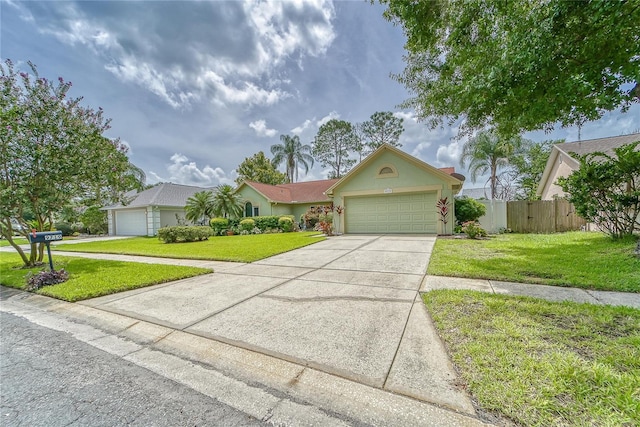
(180, 233)
(468, 209)
(66, 228)
(95, 220)
(285, 223)
(219, 225)
(473, 230)
(247, 224)
(266, 222)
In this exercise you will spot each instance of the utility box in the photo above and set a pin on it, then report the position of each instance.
(45, 236)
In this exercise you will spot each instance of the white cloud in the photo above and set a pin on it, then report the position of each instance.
(186, 172)
(300, 129)
(449, 155)
(260, 126)
(332, 115)
(231, 60)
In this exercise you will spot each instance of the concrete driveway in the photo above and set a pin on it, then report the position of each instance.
(348, 306)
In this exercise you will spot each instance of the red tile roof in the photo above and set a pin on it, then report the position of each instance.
(299, 192)
(448, 170)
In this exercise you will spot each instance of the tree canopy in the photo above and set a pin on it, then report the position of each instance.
(332, 144)
(293, 154)
(488, 152)
(518, 65)
(52, 151)
(258, 168)
(382, 128)
(527, 166)
(199, 208)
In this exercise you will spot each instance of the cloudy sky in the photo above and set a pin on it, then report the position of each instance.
(196, 87)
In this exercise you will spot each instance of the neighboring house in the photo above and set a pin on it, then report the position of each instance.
(388, 192)
(475, 193)
(150, 210)
(563, 160)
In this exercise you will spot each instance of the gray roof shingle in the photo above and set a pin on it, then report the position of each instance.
(165, 194)
(605, 145)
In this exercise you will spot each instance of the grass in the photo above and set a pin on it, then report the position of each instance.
(577, 259)
(223, 248)
(93, 278)
(540, 363)
(17, 240)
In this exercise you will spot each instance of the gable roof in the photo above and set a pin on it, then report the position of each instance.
(441, 173)
(571, 150)
(165, 194)
(298, 192)
(605, 145)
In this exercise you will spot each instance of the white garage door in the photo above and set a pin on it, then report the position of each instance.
(392, 213)
(131, 223)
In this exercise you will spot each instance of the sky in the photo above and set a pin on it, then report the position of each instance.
(196, 87)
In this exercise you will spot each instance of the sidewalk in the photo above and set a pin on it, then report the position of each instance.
(549, 293)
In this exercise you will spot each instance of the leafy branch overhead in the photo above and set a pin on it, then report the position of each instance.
(518, 65)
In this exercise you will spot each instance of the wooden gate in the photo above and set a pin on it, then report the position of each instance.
(543, 216)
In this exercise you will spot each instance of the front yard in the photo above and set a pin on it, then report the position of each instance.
(576, 259)
(540, 363)
(248, 248)
(90, 278)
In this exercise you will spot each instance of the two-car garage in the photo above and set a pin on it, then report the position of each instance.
(391, 213)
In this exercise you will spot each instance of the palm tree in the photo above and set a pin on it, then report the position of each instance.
(293, 154)
(487, 152)
(227, 203)
(199, 207)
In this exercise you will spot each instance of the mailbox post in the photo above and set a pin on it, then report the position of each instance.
(46, 237)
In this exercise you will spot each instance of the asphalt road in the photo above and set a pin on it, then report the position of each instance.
(48, 378)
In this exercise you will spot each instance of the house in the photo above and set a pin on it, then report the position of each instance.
(150, 210)
(284, 199)
(563, 160)
(388, 192)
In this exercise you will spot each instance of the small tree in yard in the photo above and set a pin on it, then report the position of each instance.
(468, 209)
(52, 152)
(606, 190)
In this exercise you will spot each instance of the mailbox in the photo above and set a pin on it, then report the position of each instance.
(45, 236)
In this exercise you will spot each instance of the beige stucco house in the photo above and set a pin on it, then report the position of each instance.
(562, 160)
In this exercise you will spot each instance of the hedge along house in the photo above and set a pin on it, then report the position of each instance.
(150, 210)
(388, 192)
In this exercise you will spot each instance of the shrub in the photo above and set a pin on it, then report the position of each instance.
(310, 219)
(473, 230)
(219, 225)
(46, 278)
(266, 222)
(285, 223)
(247, 225)
(467, 209)
(65, 227)
(180, 234)
(325, 227)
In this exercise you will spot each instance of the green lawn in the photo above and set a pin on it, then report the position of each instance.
(540, 363)
(578, 259)
(17, 240)
(92, 278)
(222, 248)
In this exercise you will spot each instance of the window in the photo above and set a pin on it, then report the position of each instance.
(256, 211)
(248, 209)
(387, 171)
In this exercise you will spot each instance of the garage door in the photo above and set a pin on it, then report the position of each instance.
(392, 213)
(131, 223)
